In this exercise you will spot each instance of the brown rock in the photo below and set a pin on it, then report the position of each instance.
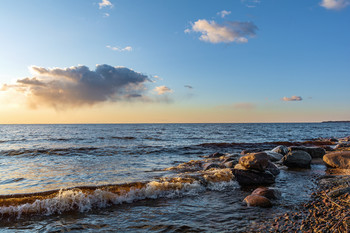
(266, 192)
(338, 159)
(257, 161)
(257, 200)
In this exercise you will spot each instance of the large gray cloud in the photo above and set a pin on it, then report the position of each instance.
(78, 86)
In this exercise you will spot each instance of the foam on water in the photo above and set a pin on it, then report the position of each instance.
(86, 198)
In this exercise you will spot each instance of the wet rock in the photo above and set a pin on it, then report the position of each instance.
(257, 200)
(274, 156)
(257, 161)
(215, 155)
(208, 166)
(267, 192)
(297, 159)
(249, 151)
(339, 192)
(273, 169)
(283, 150)
(338, 159)
(342, 145)
(246, 176)
(314, 152)
(229, 164)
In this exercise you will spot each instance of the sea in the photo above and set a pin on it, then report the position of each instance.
(142, 177)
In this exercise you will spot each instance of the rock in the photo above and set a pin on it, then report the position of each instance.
(257, 161)
(314, 152)
(208, 166)
(342, 145)
(273, 169)
(249, 151)
(267, 192)
(229, 159)
(339, 192)
(283, 150)
(246, 176)
(338, 159)
(229, 164)
(274, 156)
(215, 155)
(297, 158)
(257, 200)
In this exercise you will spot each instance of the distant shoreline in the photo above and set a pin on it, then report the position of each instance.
(335, 122)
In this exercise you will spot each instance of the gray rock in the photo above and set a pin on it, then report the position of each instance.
(274, 156)
(208, 166)
(297, 159)
(273, 169)
(246, 176)
(283, 150)
(314, 152)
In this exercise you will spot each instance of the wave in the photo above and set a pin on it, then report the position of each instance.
(85, 198)
(56, 151)
(123, 138)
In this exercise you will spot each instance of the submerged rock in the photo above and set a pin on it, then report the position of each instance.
(297, 159)
(267, 192)
(246, 176)
(283, 150)
(314, 152)
(338, 159)
(257, 200)
(257, 161)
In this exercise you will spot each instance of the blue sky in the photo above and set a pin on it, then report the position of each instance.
(271, 49)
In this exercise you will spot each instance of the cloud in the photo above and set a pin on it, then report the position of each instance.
(127, 48)
(188, 86)
(231, 31)
(244, 106)
(335, 4)
(293, 98)
(250, 3)
(162, 90)
(105, 15)
(105, 3)
(78, 86)
(224, 13)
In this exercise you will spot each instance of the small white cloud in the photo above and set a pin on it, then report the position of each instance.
(105, 15)
(224, 13)
(162, 90)
(335, 4)
(105, 3)
(127, 48)
(231, 31)
(293, 98)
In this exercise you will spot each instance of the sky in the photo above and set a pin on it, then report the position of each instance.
(167, 61)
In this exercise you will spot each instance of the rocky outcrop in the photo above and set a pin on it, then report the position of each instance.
(314, 152)
(297, 159)
(338, 159)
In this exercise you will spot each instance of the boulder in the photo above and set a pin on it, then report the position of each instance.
(215, 155)
(273, 169)
(208, 166)
(297, 159)
(257, 200)
(249, 151)
(274, 156)
(283, 150)
(257, 161)
(246, 176)
(267, 192)
(342, 145)
(314, 152)
(338, 159)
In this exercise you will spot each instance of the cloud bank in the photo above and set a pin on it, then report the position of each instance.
(231, 31)
(293, 98)
(78, 86)
(335, 4)
(127, 48)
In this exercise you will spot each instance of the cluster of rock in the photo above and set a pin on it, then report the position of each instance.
(255, 169)
(262, 197)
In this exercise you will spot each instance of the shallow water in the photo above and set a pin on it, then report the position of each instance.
(36, 158)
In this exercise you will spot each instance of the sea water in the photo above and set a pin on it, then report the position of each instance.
(119, 177)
